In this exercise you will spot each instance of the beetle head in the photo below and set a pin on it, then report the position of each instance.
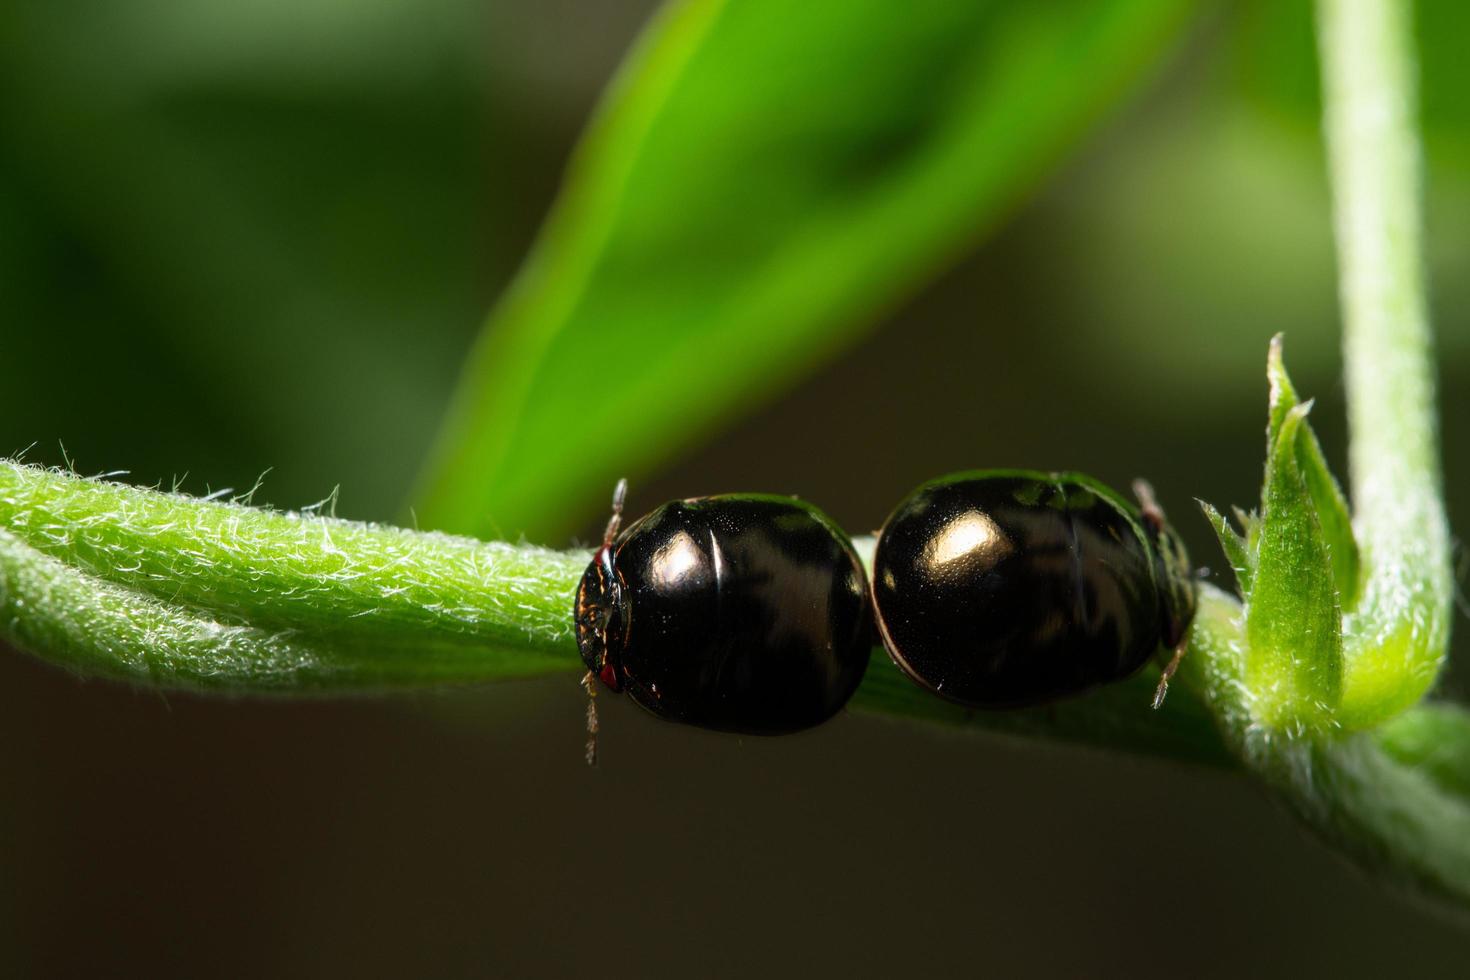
(601, 618)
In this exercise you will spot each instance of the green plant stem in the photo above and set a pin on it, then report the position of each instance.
(97, 628)
(1392, 801)
(1397, 635)
(176, 592)
(180, 592)
(1393, 798)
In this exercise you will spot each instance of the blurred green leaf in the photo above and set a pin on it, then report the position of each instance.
(763, 180)
(225, 204)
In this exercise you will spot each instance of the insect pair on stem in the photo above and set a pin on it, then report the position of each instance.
(994, 589)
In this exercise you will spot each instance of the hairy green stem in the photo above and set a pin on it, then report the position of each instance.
(96, 627)
(176, 592)
(180, 592)
(1397, 634)
(1394, 800)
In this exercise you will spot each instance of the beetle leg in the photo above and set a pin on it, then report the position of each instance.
(1162, 690)
(588, 681)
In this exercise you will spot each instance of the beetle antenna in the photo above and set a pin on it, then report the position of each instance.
(1162, 691)
(620, 494)
(592, 725)
(1148, 504)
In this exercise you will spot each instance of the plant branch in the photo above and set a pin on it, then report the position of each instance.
(169, 589)
(1391, 800)
(1393, 796)
(1397, 635)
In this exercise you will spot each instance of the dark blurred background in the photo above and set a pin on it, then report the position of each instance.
(250, 236)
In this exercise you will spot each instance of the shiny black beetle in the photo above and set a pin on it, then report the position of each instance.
(742, 612)
(1005, 588)
(994, 588)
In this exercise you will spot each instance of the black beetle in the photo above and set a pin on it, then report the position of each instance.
(742, 612)
(1005, 588)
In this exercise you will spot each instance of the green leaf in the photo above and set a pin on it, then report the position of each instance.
(1237, 551)
(1250, 521)
(1327, 496)
(1293, 621)
(762, 182)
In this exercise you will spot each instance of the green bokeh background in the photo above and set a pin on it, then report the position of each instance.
(236, 237)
